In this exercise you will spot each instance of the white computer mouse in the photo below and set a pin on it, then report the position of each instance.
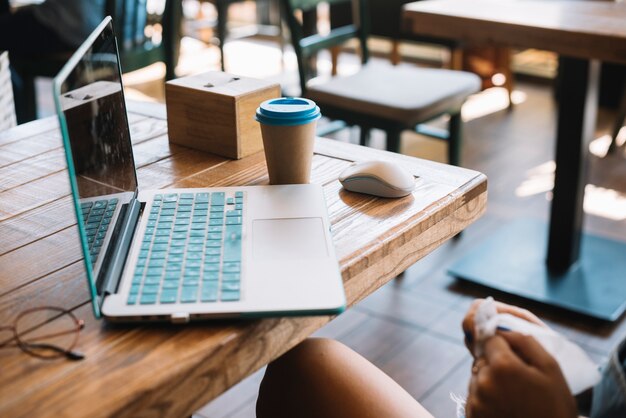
(378, 178)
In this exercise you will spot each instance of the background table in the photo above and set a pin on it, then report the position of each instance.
(572, 270)
(164, 370)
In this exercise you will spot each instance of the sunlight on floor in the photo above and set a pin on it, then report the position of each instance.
(490, 101)
(599, 201)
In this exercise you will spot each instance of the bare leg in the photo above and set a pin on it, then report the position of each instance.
(324, 378)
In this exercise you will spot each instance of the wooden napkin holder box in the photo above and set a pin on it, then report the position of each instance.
(215, 111)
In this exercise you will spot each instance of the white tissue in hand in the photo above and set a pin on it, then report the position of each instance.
(579, 371)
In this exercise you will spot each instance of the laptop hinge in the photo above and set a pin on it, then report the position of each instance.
(117, 257)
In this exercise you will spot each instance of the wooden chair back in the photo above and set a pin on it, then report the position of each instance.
(307, 42)
(147, 31)
(7, 107)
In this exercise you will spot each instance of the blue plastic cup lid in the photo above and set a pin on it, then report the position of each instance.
(288, 111)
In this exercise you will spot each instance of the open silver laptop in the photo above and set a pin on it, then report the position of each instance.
(182, 254)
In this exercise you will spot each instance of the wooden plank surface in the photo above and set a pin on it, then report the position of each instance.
(164, 370)
(583, 29)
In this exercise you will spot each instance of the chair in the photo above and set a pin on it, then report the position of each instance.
(7, 110)
(136, 48)
(221, 7)
(384, 97)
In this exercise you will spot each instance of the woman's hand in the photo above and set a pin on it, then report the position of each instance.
(468, 321)
(518, 378)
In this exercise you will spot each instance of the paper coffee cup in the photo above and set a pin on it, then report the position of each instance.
(288, 130)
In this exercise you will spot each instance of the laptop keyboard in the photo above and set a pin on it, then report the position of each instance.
(191, 250)
(97, 216)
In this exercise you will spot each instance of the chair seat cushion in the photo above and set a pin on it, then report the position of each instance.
(404, 94)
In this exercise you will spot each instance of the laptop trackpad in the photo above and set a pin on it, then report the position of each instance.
(288, 239)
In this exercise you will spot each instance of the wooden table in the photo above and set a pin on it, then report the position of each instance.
(580, 272)
(165, 370)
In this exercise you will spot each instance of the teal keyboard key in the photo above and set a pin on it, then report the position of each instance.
(176, 236)
(134, 288)
(189, 294)
(214, 251)
(211, 259)
(186, 195)
(158, 255)
(194, 256)
(209, 292)
(132, 299)
(169, 296)
(216, 221)
(192, 271)
(214, 244)
(156, 263)
(145, 246)
(197, 233)
(166, 218)
(214, 235)
(217, 198)
(168, 212)
(178, 229)
(200, 206)
(178, 243)
(233, 213)
(235, 220)
(239, 207)
(230, 296)
(182, 221)
(231, 277)
(163, 233)
(177, 250)
(211, 276)
(198, 225)
(217, 215)
(231, 268)
(171, 284)
(230, 201)
(150, 280)
(238, 194)
(148, 298)
(154, 271)
(184, 208)
(175, 258)
(164, 225)
(194, 248)
(217, 208)
(150, 288)
(143, 253)
(153, 217)
(228, 286)
(239, 200)
(193, 263)
(211, 267)
(202, 197)
(191, 281)
(169, 275)
(196, 240)
(170, 197)
(137, 279)
(181, 215)
(161, 240)
(174, 267)
(232, 243)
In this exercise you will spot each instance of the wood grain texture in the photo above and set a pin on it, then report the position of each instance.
(581, 29)
(165, 370)
(214, 112)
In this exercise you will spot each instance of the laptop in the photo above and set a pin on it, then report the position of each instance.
(182, 254)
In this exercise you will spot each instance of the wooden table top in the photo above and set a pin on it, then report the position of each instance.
(582, 29)
(166, 370)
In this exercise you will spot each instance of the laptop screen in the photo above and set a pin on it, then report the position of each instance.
(90, 104)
